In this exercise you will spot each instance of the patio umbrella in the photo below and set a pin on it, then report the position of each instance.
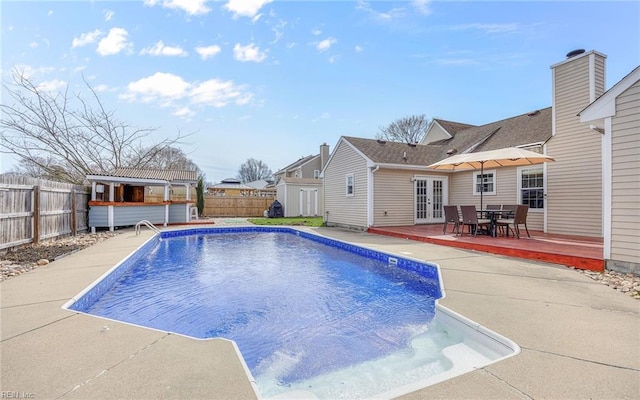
(507, 157)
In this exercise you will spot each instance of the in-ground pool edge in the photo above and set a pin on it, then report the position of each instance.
(506, 347)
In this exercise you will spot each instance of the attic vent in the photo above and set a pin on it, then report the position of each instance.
(382, 141)
(533, 113)
(412, 144)
(451, 152)
(575, 53)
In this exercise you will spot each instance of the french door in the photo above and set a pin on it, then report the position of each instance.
(431, 193)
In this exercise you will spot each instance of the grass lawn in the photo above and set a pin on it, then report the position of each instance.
(300, 221)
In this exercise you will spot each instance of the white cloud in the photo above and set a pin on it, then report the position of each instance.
(169, 90)
(245, 8)
(218, 93)
(114, 42)
(159, 49)
(488, 28)
(52, 86)
(208, 51)
(33, 45)
(30, 72)
(250, 52)
(191, 7)
(108, 14)
(86, 38)
(184, 112)
(358, 48)
(326, 44)
(316, 32)
(101, 88)
(166, 86)
(380, 16)
(422, 6)
(50, 13)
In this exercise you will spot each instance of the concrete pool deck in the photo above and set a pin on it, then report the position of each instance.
(579, 339)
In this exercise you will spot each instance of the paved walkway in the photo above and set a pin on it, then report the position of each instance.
(579, 339)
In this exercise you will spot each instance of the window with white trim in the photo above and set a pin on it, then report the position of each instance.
(316, 174)
(531, 187)
(349, 185)
(486, 182)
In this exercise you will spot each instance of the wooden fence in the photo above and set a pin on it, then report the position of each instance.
(34, 209)
(236, 206)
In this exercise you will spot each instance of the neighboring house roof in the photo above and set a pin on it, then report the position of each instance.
(297, 164)
(230, 184)
(148, 174)
(260, 184)
(521, 130)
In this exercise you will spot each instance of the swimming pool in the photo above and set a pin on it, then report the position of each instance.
(308, 313)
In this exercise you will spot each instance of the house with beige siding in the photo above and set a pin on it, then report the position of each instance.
(585, 192)
(614, 120)
(299, 187)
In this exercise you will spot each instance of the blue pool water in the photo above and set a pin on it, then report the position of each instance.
(299, 307)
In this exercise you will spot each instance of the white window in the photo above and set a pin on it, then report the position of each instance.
(350, 185)
(316, 174)
(486, 182)
(531, 187)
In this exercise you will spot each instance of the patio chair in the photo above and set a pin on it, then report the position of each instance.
(509, 212)
(452, 216)
(519, 218)
(470, 218)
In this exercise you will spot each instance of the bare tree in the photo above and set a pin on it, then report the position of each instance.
(170, 158)
(409, 129)
(68, 136)
(254, 170)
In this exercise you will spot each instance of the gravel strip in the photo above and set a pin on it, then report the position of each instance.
(19, 260)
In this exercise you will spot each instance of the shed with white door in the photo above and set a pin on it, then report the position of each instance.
(300, 197)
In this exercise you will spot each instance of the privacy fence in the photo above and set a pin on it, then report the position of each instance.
(34, 209)
(236, 206)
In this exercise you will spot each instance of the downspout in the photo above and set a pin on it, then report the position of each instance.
(370, 203)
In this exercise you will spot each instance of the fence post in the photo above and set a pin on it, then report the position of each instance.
(74, 224)
(36, 214)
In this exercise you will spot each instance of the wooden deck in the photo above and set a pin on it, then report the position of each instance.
(573, 251)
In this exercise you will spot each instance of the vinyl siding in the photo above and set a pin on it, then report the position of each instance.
(129, 216)
(461, 193)
(393, 192)
(308, 168)
(625, 180)
(435, 133)
(574, 181)
(347, 211)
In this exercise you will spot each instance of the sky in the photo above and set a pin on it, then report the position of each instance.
(273, 80)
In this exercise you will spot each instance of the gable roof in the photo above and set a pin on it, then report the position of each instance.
(521, 130)
(297, 164)
(525, 129)
(452, 127)
(604, 106)
(151, 174)
(395, 153)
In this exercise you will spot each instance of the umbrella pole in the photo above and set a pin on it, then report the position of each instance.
(481, 182)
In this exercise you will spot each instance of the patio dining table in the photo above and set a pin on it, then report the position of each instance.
(493, 215)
